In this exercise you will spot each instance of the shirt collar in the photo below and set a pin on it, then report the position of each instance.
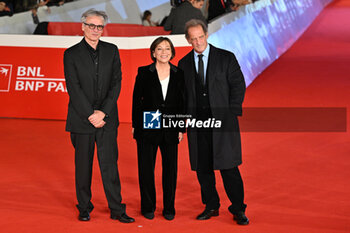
(89, 46)
(205, 52)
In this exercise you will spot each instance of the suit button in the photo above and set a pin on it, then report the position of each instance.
(162, 105)
(204, 94)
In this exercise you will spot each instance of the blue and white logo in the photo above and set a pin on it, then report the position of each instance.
(151, 120)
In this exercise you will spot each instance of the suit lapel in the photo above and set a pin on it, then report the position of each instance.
(172, 83)
(86, 59)
(155, 80)
(102, 60)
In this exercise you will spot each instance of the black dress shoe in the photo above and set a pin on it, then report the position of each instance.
(206, 214)
(149, 215)
(84, 216)
(169, 216)
(122, 218)
(240, 218)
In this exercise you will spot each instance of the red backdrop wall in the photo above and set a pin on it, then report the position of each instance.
(32, 81)
(111, 29)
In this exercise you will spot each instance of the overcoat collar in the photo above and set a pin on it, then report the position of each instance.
(212, 63)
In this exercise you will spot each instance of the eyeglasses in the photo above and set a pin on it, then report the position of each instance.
(93, 26)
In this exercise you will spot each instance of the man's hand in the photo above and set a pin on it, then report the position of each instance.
(96, 119)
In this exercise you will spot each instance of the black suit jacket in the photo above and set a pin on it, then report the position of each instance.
(216, 8)
(180, 15)
(226, 88)
(79, 73)
(148, 96)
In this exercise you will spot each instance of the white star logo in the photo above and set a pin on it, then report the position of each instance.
(156, 115)
(4, 71)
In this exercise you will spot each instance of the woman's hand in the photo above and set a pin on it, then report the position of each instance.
(181, 136)
(132, 131)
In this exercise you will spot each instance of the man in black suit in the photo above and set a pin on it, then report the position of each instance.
(215, 88)
(217, 8)
(180, 15)
(93, 77)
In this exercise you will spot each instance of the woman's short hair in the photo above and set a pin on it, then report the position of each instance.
(93, 12)
(159, 40)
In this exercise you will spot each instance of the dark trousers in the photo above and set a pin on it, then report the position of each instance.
(107, 152)
(205, 173)
(146, 153)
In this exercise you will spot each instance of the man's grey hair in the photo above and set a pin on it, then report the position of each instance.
(195, 23)
(93, 12)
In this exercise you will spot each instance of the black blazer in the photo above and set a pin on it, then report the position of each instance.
(79, 73)
(148, 96)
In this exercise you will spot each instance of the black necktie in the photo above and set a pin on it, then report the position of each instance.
(201, 68)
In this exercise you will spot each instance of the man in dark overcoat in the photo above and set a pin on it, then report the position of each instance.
(215, 89)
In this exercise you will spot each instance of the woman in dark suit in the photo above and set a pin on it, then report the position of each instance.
(159, 86)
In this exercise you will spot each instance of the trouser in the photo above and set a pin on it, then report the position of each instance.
(205, 173)
(146, 153)
(107, 152)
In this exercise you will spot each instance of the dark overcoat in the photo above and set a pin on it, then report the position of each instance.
(226, 88)
(87, 94)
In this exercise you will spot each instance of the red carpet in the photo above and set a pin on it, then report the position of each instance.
(294, 182)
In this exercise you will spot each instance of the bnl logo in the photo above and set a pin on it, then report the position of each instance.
(151, 120)
(5, 77)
